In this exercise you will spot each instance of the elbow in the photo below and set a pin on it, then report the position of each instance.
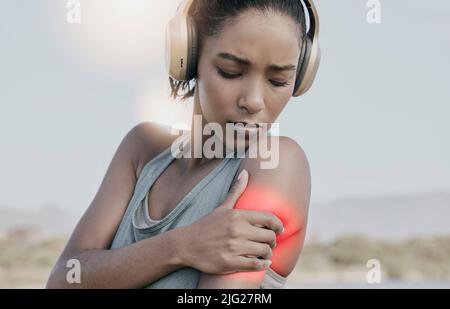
(52, 284)
(54, 280)
(60, 278)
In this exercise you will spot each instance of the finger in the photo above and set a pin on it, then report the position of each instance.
(236, 190)
(261, 235)
(265, 219)
(248, 264)
(257, 249)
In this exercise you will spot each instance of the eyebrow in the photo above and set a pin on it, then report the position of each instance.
(272, 67)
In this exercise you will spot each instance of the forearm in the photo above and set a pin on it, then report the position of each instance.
(132, 266)
(238, 280)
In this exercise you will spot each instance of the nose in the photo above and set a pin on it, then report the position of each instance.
(252, 99)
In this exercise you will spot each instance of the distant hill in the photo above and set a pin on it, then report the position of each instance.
(385, 218)
(50, 220)
(389, 217)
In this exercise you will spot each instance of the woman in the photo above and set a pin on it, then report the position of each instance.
(163, 220)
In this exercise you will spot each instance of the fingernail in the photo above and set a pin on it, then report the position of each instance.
(240, 175)
(282, 230)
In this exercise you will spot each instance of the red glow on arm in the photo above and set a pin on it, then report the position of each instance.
(264, 199)
(289, 243)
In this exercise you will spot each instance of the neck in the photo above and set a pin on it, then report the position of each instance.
(198, 140)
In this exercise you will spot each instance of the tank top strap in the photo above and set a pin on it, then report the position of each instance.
(150, 172)
(153, 168)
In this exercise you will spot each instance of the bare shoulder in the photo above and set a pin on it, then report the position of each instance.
(283, 166)
(117, 187)
(289, 151)
(151, 139)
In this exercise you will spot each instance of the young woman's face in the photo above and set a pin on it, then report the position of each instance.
(254, 90)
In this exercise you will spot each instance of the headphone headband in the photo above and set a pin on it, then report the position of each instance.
(313, 18)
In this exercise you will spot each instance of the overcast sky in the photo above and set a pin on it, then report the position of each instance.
(375, 122)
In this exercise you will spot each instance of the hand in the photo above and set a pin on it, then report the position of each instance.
(230, 240)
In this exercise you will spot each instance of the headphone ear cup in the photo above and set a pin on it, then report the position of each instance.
(303, 64)
(310, 66)
(181, 44)
(192, 59)
(176, 48)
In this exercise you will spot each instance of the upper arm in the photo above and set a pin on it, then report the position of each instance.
(97, 226)
(284, 191)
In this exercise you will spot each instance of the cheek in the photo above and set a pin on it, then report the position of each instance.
(216, 96)
(275, 105)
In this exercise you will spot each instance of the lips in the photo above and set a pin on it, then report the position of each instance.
(247, 129)
(248, 125)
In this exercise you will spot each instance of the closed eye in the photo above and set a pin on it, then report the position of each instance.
(233, 76)
(227, 75)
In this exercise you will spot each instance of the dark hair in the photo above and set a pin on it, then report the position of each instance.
(210, 17)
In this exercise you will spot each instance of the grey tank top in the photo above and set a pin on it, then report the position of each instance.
(206, 195)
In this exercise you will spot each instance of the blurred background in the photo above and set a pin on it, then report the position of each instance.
(375, 127)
